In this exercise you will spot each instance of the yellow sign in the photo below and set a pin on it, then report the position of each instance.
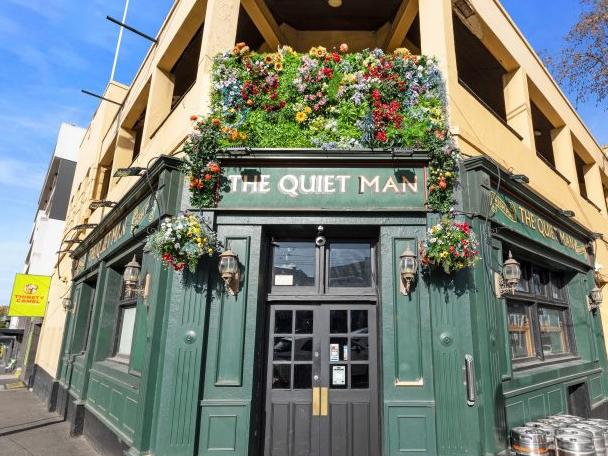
(30, 295)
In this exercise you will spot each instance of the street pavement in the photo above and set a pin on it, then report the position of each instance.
(28, 429)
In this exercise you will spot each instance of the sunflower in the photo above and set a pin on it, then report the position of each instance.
(278, 66)
(301, 116)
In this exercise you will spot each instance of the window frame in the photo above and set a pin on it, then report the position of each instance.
(321, 287)
(198, 35)
(123, 304)
(535, 301)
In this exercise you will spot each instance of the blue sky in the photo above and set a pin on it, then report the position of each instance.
(50, 49)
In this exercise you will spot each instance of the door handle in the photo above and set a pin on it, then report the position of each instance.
(316, 401)
(324, 401)
(469, 376)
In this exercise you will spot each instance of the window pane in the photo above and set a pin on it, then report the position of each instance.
(302, 376)
(339, 376)
(350, 265)
(540, 279)
(282, 322)
(524, 284)
(359, 349)
(294, 264)
(358, 321)
(303, 349)
(520, 334)
(359, 376)
(127, 326)
(338, 322)
(338, 349)
(553, 331)
(557, 290)
(281, 374)
(282, 349)
(304, 322)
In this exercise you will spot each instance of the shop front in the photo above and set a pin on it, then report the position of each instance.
(322, 341)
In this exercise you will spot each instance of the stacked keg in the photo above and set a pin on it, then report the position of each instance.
(561, 435)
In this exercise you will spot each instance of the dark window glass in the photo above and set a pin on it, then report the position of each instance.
(294, 264)
(282, 321)
(359, 376)
(338, 321)
(350, 265)
(553, 335)
(303, 349)
(520, 331)
(281, 374)
(138, 135)
(359, 349)
(302, 376)
(185, 69)
(524, 284)
(540, 279)
(304, 322)
(557, 288)
(358, 321)
(282, 349)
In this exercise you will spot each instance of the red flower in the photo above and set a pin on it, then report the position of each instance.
(376, 94)
(443, 184)
(214, 167)
(452, 249)
(282, 104)
(381, 136)
(344, 47)
(208, 177)
(336, 57)
(215, 122)
(193, 117)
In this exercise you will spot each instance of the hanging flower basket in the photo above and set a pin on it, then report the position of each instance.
(180, 241)
(449, 245)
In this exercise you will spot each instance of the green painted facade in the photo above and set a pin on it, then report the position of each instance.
(195, 381)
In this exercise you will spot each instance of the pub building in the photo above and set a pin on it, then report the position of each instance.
(314, 344)
(319, 330)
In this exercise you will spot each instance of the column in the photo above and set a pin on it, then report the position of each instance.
(219, 35)
(518, 107)
(593, 183)
(563, 153)
(437, 36)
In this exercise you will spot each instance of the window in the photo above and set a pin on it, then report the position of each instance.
(542, 136)
(127, 309)
(138, 135)
(580, 174)
(185, 69)
(302, 266)
(538, 316)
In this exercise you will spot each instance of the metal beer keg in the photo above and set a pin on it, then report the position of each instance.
(549, 429)
(529, 441)
(598, 436)
(574, 445)
(603, 425)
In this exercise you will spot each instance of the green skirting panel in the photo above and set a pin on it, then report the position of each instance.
(410, 430)
(224, 429)
(535, 404)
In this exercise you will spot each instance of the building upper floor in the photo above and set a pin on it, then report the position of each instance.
(502, 100)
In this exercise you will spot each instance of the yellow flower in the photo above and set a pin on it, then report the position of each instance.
(307, 110)
(278, 66)
(269, 58)
(210, 250)
(321, 51)
(403, 52)
(243, 136)
(313, 52)
(301, 116)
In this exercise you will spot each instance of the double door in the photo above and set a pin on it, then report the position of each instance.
(322, 381)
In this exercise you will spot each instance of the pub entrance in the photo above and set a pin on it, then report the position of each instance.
(322, 368)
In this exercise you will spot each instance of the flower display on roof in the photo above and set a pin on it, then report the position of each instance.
(328, 99)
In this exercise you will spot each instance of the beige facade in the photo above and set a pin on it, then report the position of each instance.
(523, 121)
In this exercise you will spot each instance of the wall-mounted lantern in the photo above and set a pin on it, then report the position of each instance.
(507, 280)
(130, 281)
(230, 272)
(595, 298)
(67, 304)
(408, 266)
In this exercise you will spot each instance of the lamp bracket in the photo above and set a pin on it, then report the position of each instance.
(500, 287)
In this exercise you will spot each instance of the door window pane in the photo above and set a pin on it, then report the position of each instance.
(338, 349)
(302, 376)
(338, 376)
(282, 322)
(127, 325)
(282, 349)
(281, 374)
(294, 264)
(304, 322)
(338, 321)
(552, 331)
(350, 265)
(359, 376)
(303, 349)
(359, 349)
(358, 321)
(520, 334)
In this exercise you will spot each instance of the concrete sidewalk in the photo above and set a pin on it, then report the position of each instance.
(28, 429)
